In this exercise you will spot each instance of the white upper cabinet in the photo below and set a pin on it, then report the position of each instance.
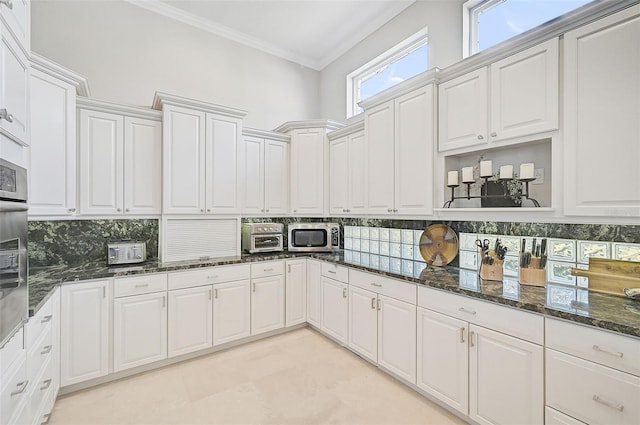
(264, 168)
(52, 169)
(347, 174)
(399, 144)
(514, 97)
(120, 160)
(201, 147)
(601, 111)
(14, 88)
(16, 15)
(307, 171)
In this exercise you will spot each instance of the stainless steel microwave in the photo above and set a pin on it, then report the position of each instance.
(314, 237)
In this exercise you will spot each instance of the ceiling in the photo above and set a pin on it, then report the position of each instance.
(312, 33)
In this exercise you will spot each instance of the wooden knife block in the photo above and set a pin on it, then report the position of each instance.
(493, 271)
(533, 275)
(610, 276)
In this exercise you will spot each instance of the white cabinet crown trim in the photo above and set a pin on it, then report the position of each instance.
(60, 72)
(265, 134)
(344, 131)
(115, 108)
(161, 99)
(420, 80)
(328, 125)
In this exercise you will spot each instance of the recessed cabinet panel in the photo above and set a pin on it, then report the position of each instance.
(190, 320)
(222, 159)
(314, 292)
(276, 177)
(14, 88)
(17, 15)
(339, 176)
(307, 171)
(363, 322)
(142, 166)
(397, 337)
(231, 311)
(380, 151)
(357, 173)
(253, 172)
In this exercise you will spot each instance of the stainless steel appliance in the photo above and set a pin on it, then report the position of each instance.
(262, 237)
(314, 237)
(14, 296)
(126, 252)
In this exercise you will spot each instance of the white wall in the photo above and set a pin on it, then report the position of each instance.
(444, 21)
(128, 53)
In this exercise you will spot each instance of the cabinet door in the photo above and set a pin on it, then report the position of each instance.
(397, 337)
(142, 166)
(334, 309)
(414, 136)
(101, 162)
(84, 332)
(307, 171)
(267, 304)
(222, 146)
(296, 292)
(443, 358)
(17, 15)
(339, 176)
(252, 169)
(190, 320)
(231, 311)
(52, 169)
(314, 273)
(183, 158)
(524, 92)
(357, 174)
(276, 177)
(379, 129)
(601, 132)
(363, 323)
(506, 379)
(139, 330)
(462, 111)
(14, 88)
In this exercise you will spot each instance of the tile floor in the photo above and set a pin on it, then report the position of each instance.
(299, 377)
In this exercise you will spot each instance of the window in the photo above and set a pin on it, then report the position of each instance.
(489, 22)
(397, 64)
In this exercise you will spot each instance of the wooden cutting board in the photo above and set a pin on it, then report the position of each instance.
(610, 276)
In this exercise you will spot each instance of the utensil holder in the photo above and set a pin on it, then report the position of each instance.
(493, 271)
(533, 275)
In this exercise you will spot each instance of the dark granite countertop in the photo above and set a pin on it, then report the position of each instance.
(613, 313)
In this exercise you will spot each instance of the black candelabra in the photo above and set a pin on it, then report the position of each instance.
(504, 195)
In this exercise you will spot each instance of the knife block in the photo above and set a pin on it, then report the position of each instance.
(533, 275)
(493, 271)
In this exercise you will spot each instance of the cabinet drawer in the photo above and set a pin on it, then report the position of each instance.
(335, 271)
(39, 353)
(11, 352)
(267, 268)
(208, 276)
(38, 323)
(137, 285)
(40, 388)
(606, 348)
(397, 289)
(553, 417)
(517, 323)
(590, 392)
(13, 390)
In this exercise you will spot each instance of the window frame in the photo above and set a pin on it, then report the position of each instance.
(378, 64)
(471, 9)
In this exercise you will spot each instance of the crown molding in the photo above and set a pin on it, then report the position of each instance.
(161, 99)
(346, 130)
(60, 72)
(420, 80)
(328, 125)
(104, 106)
(265, 134)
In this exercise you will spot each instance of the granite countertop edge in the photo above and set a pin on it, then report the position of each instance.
(44, 280)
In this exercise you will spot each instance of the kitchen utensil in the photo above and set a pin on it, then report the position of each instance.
(483, 245)
(439, 244)
(610, 276)
(631, 292)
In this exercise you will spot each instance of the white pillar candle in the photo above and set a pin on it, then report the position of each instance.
(452, 178)
(506, 172)
(467, 175)
(527, 170)
(486, 168)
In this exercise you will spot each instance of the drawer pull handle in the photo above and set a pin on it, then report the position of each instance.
(268, 270)
(471, 335)
(379, 305)
(142, 285)
(215, 276)
(377, 285)
(618, 407)
(215, 293)
(373, 303)
(21, 387)
(344, 292)
(47, 384)
(46, 318)
(461, 334)
(331, 271)
(46, 419)
(46, 349)
(611, 353)
(464, 310)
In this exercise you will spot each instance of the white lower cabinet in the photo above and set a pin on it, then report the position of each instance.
(190, 320)
(334, 309)
(267, 304)
(14, 382)
(553, 417)
(363, 323)
(84, 332)
(314, 275)
(296, 292)
(231, 311)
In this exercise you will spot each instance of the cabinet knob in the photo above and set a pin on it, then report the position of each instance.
(72, 210)
(208, 209)
(126, 210)
(395, 210)
(262, 210)
(389, 210)
(295, 210)
(494, 134)
(9, 4)
(119, 209)
(267, 209)
(480, 137)
(201, 209)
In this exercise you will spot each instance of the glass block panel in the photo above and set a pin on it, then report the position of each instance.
(355, 232)
(407, 236)
(384, 263)
(374, 247)
(469, 260)
(356, 257)
(418, 267)
(348, 256)
(587, 249)
(560, 297)
(468, 241)
(347, 231)
(374, 233)
(364, 245)
(395, 265)
(395, 235)
(417, 234)
(416, 253)
(469, 280)
(407, 267)
(348, 243)
(356, 244)
(364, 259)
(364, 233)
(512, 243)
(582, 281)
(384, 248)
(561, 249)
(407, 251)
(374, 261)
(511, 288)
(560, 272)
(384, 234)
(511, 266)
(395, 250)
(626, 251)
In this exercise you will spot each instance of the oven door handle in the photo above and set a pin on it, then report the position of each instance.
(8, 206)
(11, 283)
